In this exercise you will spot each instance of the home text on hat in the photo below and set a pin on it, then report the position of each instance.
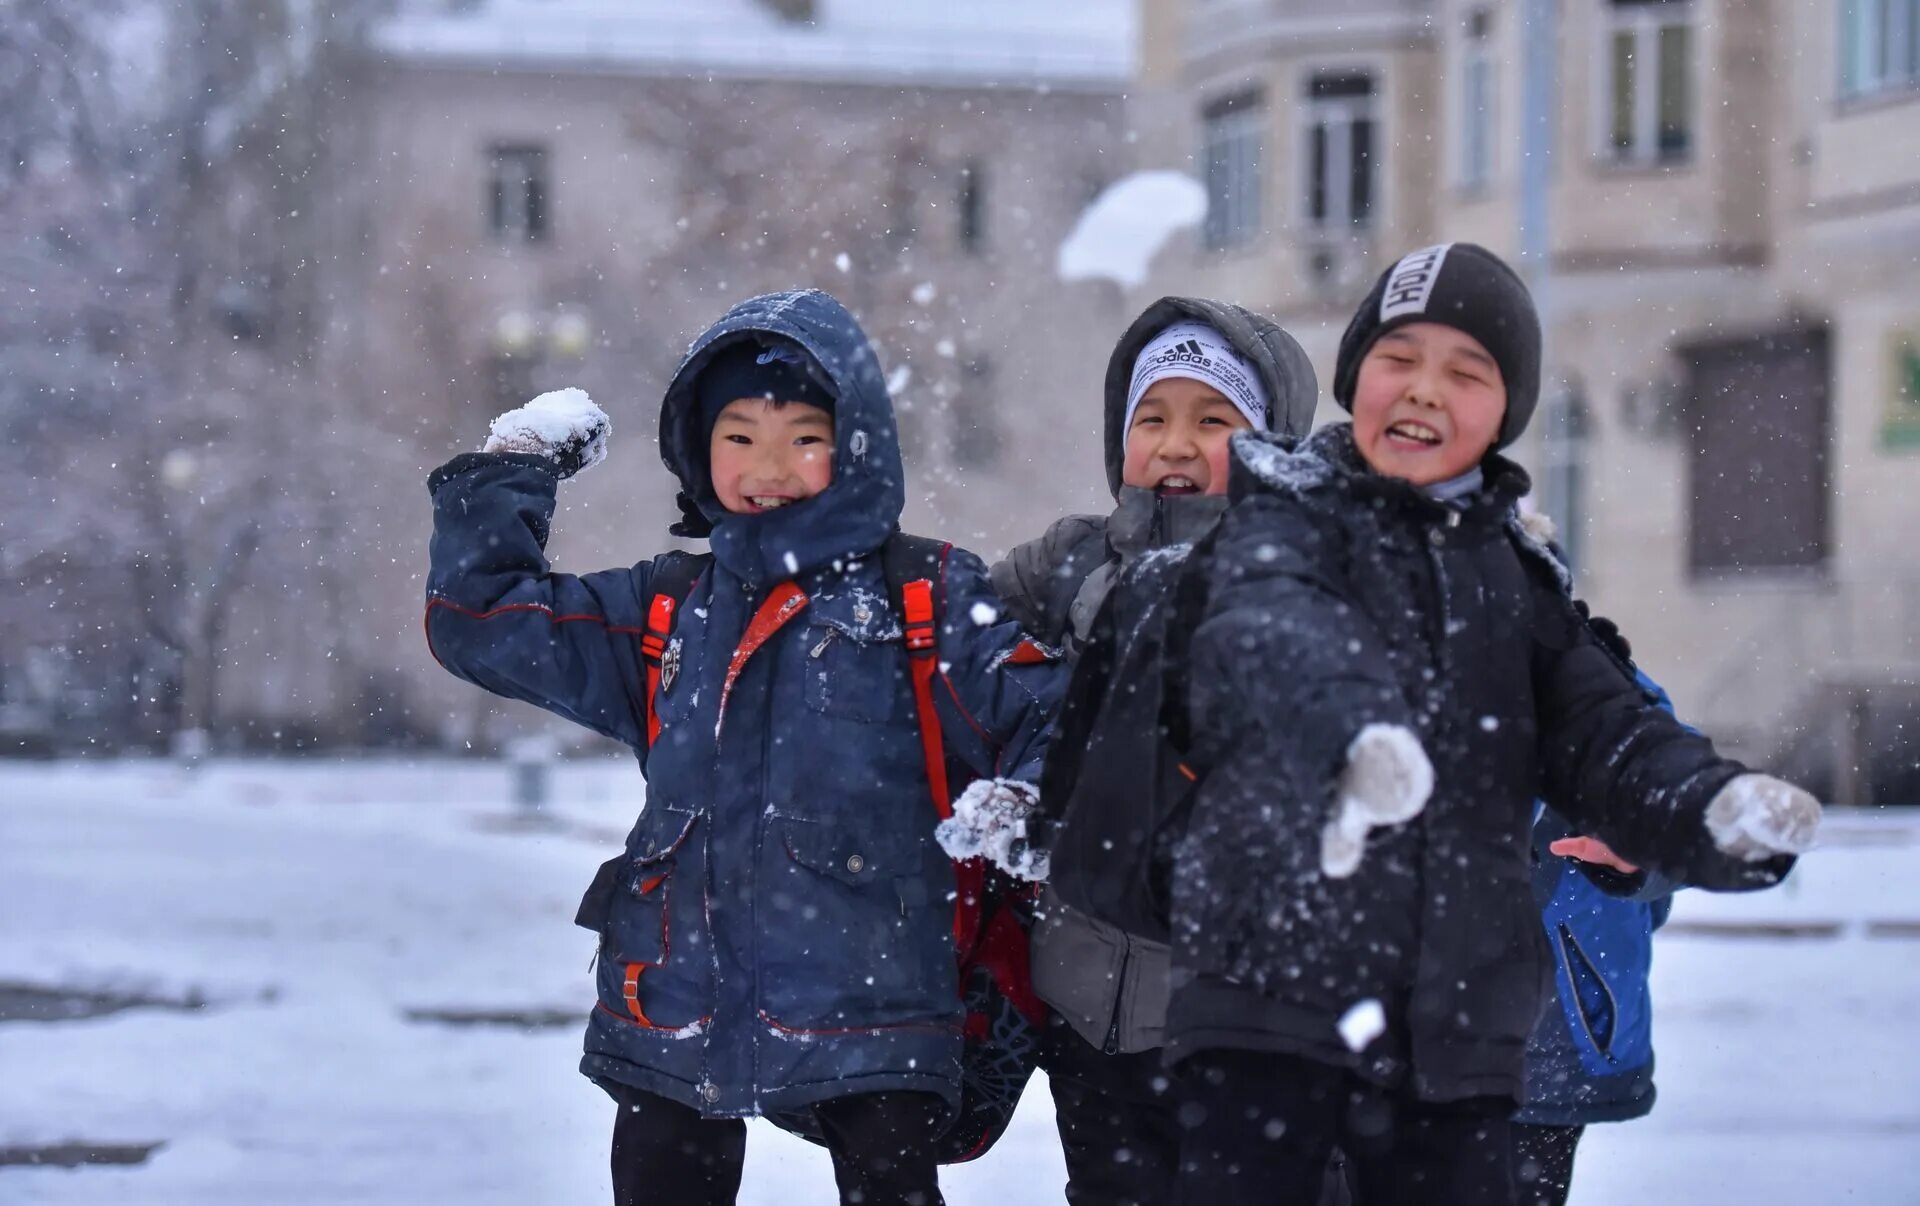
(1410, 285)
(1198, 351)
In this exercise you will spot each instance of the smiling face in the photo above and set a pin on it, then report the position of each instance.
(765, 455)
(1177, 443)
(1427, 404)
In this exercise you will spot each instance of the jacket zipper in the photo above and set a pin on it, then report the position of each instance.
(1567, 940)
(1112, 1045)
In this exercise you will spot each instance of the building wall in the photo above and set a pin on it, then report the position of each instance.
(1797, 206)
(669, 200)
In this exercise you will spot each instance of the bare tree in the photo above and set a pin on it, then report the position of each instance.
(162, 161)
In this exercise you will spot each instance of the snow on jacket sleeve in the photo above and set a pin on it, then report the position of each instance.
(996, 692)
(1620, 767)
(1281, 647)
(500, 618)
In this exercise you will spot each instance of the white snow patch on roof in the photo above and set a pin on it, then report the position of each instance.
(1087, 42)
(1118, 235)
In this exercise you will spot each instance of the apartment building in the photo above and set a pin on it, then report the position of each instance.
(548, 192)
(1726, 237)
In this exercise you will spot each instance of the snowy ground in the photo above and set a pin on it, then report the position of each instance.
(313, 906)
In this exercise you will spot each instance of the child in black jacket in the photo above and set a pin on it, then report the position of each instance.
(1386, 672)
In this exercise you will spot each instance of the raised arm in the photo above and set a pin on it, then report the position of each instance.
(498, 615)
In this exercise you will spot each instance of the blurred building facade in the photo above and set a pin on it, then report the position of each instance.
(544, 192)
(1729, 431)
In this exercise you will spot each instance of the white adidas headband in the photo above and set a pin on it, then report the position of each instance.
(1196, 350)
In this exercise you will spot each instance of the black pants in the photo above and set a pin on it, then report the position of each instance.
(1259, 1128)
(1543, 1162)
(1117, 1120)
(881, 1144)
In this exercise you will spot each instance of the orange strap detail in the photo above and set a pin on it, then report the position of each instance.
(630, 992)
(917, 598)
(781, 605)
(630, 977)
(653, 646)
(1028, 653)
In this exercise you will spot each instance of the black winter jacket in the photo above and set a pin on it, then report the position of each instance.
(1330, 598)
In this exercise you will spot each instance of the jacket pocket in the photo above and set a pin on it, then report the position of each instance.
(1588, 995)
(854, 671)
(1077, 965)
(853, 933)
(654, 968)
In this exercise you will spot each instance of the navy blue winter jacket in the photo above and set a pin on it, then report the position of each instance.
(778, 930)
(1590, 1058)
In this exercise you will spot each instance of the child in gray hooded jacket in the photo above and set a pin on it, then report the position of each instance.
(1186, 375)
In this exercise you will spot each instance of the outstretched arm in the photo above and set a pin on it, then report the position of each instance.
(1657, 793)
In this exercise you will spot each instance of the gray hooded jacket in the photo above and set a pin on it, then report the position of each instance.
(1106, 980)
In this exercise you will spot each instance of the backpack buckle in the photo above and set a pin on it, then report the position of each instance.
(916, 600)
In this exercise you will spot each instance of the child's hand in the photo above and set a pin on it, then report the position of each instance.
(564, 426)
(1593, 850)
(990, 821)
(1758, 817)
(1388, 780)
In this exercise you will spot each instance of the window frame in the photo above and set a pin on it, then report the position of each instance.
(1566, 464)
(1478, 125)
(530, 220)
(1233, 125)
(1885, 31)
(970, 206)
(1645, 21)
(1343, 113)
(976, 437)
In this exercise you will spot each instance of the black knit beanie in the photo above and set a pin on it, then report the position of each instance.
(1468, 288)
(777, 369)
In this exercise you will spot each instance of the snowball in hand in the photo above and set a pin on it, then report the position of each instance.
(990, 821)
(564, 426)
(1387, 781)
(1758, 817)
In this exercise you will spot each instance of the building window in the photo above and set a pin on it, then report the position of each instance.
(1759, 495)
(1564, 441)
(1340, 141)
(1478, 103)
(1648, 107)
(1231, 138)
(977, 438)
(971, 203)
(1879, 46)
(517, 194)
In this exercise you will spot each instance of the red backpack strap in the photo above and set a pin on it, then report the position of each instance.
(916, 602)
(913, 564)
(673, 577)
